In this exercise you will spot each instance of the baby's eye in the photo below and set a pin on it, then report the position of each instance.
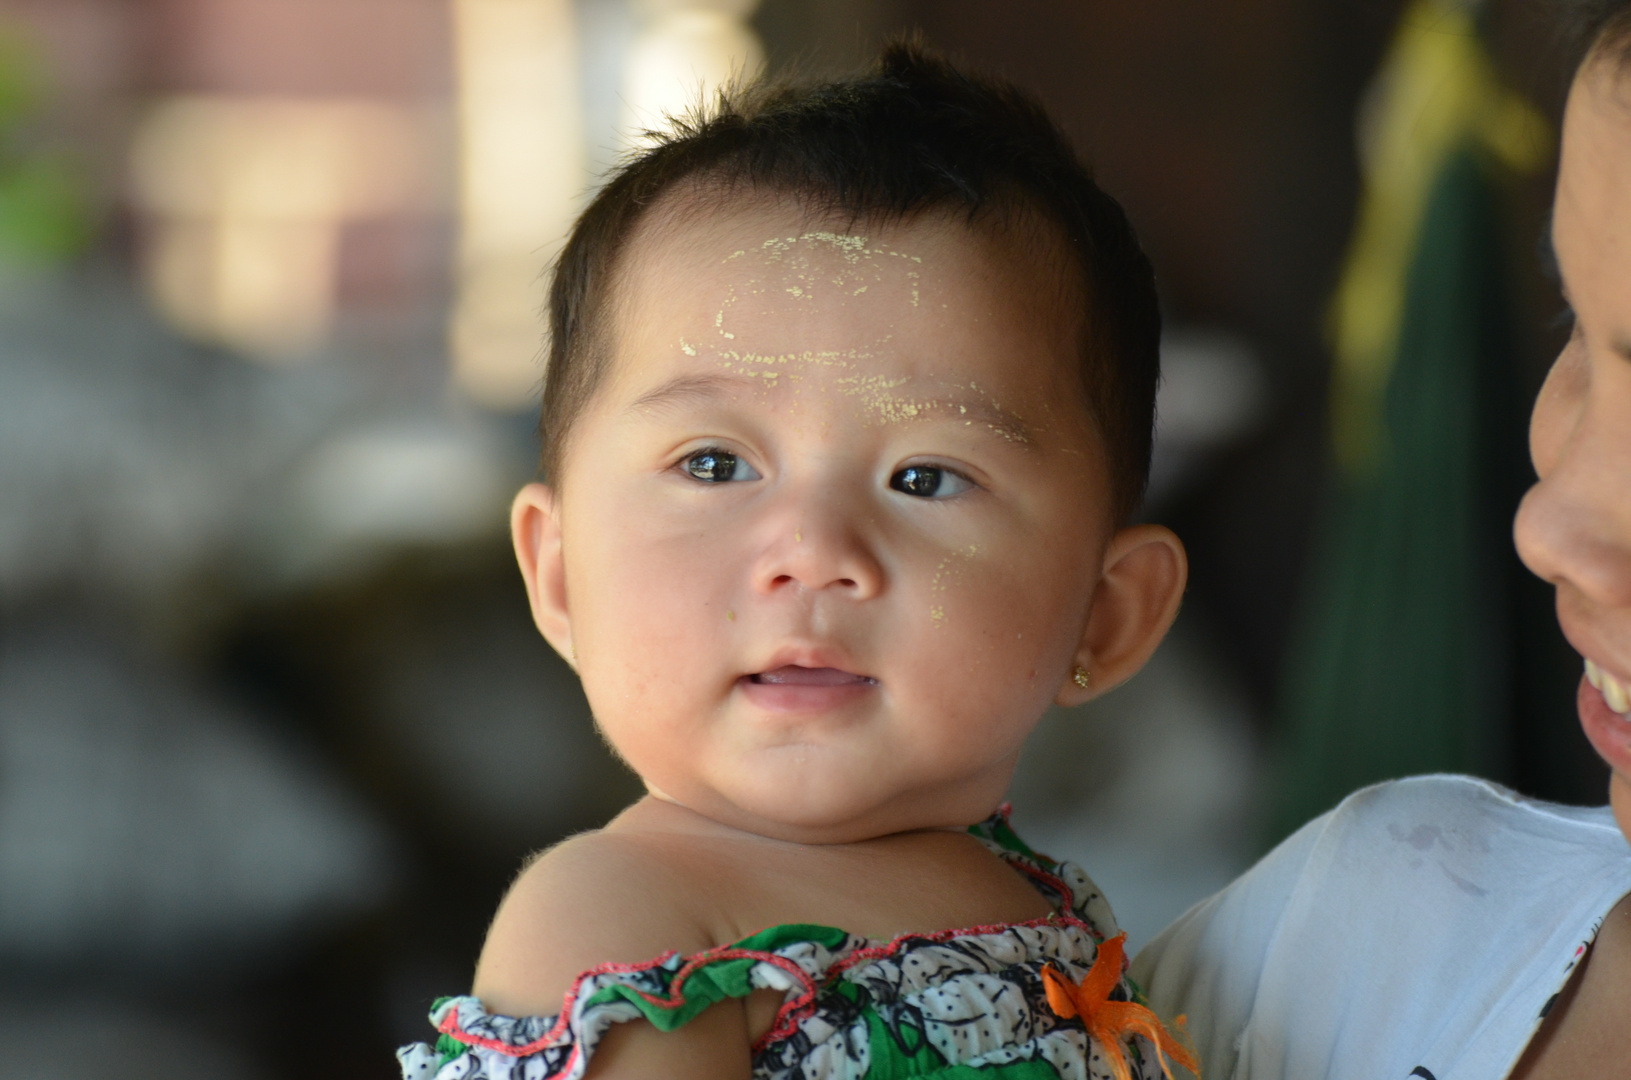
(929, 482)
(714, 466)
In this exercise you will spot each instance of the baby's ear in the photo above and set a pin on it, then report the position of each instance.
(1145, 570)
(535, 527)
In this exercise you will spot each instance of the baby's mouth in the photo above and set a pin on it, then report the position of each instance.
(793, 675)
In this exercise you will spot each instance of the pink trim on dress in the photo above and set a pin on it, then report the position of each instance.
(451, 1025)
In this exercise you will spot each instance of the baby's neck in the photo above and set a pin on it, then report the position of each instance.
(658, 813)
(731, 882)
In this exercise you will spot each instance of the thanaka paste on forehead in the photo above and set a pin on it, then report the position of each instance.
(874, 390)
(777, 248)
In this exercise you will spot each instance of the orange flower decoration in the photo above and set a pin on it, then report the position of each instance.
(1111, 1022)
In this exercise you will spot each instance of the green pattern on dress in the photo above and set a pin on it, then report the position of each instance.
(720, 980)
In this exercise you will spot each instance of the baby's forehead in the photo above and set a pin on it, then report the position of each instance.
(724, 259)
(905, 320)
(762, 244)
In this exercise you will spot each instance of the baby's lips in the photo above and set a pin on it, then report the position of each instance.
(791, 663)
(795, 675)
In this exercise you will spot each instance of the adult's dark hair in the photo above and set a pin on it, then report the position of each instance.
(1596, 28)
(912, 135)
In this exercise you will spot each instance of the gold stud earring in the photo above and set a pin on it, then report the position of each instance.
(1080, 677)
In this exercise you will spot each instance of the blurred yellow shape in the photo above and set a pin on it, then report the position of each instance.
(246, 197)
(687, 49)
(1437, 92)
(522, 173)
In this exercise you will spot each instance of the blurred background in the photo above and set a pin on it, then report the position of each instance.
(275, 727)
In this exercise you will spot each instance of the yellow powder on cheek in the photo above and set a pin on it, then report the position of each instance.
(943, 574)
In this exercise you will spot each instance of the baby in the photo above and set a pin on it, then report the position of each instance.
(849, 402)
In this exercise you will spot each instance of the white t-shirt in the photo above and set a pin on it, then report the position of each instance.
(1420, 929)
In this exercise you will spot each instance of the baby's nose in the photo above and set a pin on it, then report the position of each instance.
(822, 548)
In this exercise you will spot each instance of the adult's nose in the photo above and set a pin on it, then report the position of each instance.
(1573, 527)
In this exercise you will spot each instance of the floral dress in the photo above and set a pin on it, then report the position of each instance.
(984, 1003)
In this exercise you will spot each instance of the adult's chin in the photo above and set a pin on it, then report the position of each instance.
(1619, 798)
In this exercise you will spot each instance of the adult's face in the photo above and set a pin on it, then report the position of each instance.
(1574, 527)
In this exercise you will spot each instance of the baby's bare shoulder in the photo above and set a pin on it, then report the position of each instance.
(595, 898)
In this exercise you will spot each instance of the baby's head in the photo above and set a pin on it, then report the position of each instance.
(849, 402)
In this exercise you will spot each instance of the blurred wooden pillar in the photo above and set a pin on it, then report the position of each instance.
(521, 175)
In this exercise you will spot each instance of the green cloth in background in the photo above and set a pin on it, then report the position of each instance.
(1403, 661)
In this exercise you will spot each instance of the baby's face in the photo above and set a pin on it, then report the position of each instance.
(831, 526)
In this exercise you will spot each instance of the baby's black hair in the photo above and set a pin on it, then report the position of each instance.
(914, 134)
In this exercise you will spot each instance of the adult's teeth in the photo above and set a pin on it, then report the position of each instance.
(1615, 695)
(1609, 687)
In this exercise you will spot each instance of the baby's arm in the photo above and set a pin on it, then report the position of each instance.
(593, 899)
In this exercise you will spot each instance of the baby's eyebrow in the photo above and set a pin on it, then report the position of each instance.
(988, 413)
(692, 389)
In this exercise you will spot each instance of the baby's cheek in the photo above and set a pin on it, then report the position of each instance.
(640, 639)
(999, 639)
(642, 709)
